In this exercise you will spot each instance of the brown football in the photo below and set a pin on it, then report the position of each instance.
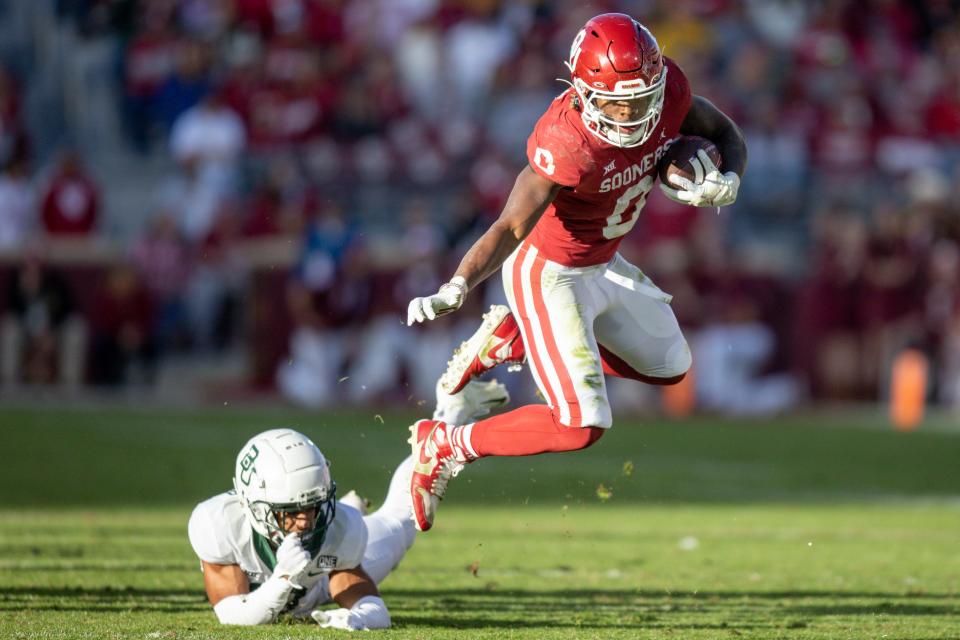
(677, 160)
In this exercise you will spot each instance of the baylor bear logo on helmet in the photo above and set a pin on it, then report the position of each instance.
(246, 464)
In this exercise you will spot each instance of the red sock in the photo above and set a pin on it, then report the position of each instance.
(528, 431)
(614, 366)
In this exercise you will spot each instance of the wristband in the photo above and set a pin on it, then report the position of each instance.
(460, 283)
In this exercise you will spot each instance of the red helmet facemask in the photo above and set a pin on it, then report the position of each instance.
(619, 76)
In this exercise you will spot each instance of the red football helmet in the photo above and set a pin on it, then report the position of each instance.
(615, 59)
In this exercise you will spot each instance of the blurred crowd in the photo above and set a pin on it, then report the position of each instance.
(380, 137)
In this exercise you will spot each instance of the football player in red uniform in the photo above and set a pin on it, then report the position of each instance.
(577, 308)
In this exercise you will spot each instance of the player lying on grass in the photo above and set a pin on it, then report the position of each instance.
(578, 310)
(282, 543)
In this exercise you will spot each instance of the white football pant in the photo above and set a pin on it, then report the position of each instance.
(390, 528)
(564, 312)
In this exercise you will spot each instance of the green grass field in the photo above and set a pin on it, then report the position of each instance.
(809, 527)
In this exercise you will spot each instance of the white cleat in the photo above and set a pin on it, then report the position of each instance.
(474, 401)
(496, 341)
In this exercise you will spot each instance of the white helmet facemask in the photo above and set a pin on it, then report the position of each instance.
(281, 472)
(647, 101)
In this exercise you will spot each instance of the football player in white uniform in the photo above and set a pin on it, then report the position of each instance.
(281, 542)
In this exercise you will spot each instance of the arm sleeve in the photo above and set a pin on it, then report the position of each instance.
(258, 607)
(369, 612)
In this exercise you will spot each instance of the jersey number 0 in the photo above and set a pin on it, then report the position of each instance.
(624, 215)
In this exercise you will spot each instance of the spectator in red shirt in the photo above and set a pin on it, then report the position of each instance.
(71, 200)
(292, 111)
(943, 113)
(123, 341)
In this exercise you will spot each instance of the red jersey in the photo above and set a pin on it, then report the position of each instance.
(605, 186)
(70, 205)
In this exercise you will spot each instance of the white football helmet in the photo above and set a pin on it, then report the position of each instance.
(281, 471)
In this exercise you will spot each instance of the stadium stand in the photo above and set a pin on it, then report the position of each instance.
(274, 178)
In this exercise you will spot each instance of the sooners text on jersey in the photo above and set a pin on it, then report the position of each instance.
(606, 186)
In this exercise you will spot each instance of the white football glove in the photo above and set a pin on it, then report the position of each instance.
(292, 559)
(336, 619)
(449, 298)
(709, 187)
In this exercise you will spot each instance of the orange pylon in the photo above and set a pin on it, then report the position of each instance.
(908, 389)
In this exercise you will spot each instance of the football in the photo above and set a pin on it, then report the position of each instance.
(681, 159)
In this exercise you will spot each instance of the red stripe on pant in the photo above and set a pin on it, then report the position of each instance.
(529, 431)
(550, 341)
(524, 322)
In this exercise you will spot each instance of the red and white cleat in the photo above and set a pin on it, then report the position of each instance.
(497, 341)
(433, 466)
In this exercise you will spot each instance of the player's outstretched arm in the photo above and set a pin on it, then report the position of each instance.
(528, 200)
(360, 602)
(716, 189)
(229, 590)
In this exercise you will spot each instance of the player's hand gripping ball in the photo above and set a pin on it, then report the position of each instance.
(690, 174)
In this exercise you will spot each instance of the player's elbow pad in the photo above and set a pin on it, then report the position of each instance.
(257, 607)
(371, 612)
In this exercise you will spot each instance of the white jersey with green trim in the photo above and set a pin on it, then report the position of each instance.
(220, 533)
